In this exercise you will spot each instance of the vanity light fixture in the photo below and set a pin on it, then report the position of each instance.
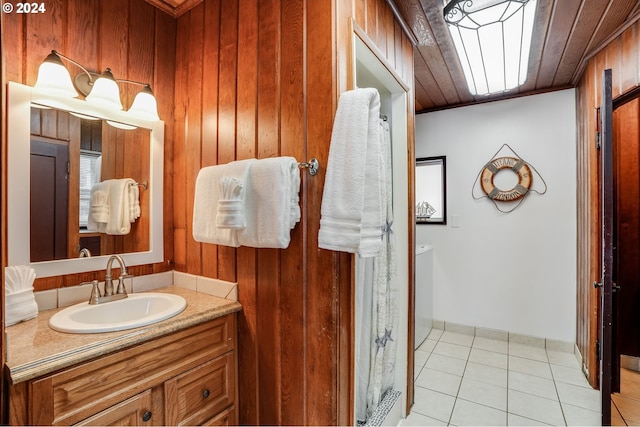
(492, 39)
(100, 90)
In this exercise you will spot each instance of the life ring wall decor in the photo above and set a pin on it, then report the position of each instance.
(518, 166)
(502, 199)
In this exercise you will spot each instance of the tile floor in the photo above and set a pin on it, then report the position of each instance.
(464, 380)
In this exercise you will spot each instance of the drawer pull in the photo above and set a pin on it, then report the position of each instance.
(206, 393)
(146, 416)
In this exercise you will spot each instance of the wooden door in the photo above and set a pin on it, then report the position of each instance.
(49, 199)
(135, 411)
(606, 245)
(626, 143)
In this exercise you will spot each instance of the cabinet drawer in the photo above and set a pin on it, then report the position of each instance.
(198, 395)
(135, 411)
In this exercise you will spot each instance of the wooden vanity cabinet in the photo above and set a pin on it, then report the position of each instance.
(184, 378)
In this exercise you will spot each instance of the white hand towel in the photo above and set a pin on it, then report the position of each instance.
(351, 211)
(99, 209)
(272, 203)
(231, 205)
(134, 202)
(205, 205)
(20, 303)
(119, 209)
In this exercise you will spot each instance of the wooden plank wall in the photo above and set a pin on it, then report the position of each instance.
(621, 55)
(131, 37)
(260, 78)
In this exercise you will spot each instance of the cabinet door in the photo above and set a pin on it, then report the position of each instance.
(202, 393)
(135, 411)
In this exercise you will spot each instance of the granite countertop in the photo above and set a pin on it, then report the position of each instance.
(34, 349)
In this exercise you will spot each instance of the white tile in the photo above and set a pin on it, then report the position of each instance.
(75, 294)
(528, 351)
(573, 376)
(563, 359)
(442, 363)
(483, 393)
(452, 350)
(531, 367)
(533, 385)
(460, 329)
(215, 287)
(46, 300)
(420, 358)
(415, 419)
(428, 345)
(527, 340)
(472, 414)
(582, 397)
(492, 334)
(149, 282)
(433, 404)
(490, 358)
(517, 420)
(438, 324)
(581, 417)
(439, 381)
(536, 408)
(489, 344)
(486, 374)
(456, 338)
(184, 280)
(435, 334)
(561, 346)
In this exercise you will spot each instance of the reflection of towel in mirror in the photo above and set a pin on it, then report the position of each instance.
(20, 303)
(121, 209)
(99, 209)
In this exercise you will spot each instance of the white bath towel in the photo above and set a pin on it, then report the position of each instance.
(20, 303)
(121, 193)
(351, 211)
(272, 203)
(231, 205)
(205, 205)
(99, 208)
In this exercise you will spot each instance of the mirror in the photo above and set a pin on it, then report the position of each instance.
(431, 190)
(69, 156)
(144, 244)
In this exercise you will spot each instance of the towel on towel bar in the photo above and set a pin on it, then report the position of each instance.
(230, 212)
(272, 203)
(351, 210)
(115, 204)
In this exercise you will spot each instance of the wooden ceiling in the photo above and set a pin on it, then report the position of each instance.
(565, 35)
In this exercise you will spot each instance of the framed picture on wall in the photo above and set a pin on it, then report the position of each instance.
(431, 190)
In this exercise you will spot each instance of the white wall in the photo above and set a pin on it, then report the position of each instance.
(516, 271)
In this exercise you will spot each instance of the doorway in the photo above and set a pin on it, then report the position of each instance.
(625, 399)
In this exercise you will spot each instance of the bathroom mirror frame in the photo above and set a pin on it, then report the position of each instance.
(20, 100)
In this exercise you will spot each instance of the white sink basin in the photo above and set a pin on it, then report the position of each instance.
(134, 311)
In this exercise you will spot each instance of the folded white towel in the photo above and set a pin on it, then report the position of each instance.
(205, 205)
(99, 209)
(20, 303)
(272, 203)
(351, 211)
(134, 201)
(230, 212)
(120, 197)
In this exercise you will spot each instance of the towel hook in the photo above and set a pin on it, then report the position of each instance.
(313, 165)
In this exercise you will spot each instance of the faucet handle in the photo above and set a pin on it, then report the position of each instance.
(121, 289)
(95, 293)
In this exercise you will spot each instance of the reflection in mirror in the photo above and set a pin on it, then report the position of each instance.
(69, 156)
(431, 194)
(58, 138)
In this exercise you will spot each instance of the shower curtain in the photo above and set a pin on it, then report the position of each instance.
(376, 302)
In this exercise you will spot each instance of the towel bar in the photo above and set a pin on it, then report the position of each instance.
(313, 165)
(142, 184)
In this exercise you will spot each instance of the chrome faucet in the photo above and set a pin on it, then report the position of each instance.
(109, 295)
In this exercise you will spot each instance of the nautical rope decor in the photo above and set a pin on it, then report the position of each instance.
(498, 196)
